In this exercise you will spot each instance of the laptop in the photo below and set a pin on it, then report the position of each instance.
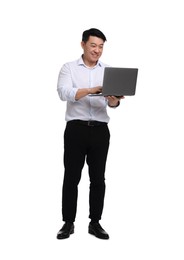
(118, 82)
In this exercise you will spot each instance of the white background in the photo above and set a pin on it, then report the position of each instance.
(144, 200)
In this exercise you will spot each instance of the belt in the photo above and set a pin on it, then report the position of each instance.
(88, 123)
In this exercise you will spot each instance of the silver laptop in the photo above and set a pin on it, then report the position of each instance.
(118, 82)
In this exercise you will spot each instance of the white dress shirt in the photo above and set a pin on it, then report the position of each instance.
(75, 75)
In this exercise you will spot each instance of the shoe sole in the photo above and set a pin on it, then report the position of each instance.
(91, 232)
(64, 237)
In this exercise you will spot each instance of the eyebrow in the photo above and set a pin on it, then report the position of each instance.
(102, 44)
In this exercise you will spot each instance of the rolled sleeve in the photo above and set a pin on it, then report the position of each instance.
(65, 88)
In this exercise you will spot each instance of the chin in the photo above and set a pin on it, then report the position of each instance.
(94, 60)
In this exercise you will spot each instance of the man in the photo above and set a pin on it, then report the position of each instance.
(86, 136)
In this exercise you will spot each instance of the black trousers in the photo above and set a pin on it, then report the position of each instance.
(84, 143)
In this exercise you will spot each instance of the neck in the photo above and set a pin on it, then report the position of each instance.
(88, 63)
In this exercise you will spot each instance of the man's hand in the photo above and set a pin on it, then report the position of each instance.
(86, 91)
(95, 90)
(113, 101)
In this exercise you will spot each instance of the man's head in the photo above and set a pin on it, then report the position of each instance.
(92, 44)
(93, 32)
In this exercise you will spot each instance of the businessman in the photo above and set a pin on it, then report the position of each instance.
(86, 136)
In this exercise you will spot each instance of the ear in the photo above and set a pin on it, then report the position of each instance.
(82, 44)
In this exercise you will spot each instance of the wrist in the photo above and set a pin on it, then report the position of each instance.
(117, 104)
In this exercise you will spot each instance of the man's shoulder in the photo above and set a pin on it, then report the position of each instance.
(70, 63)
(103, 65)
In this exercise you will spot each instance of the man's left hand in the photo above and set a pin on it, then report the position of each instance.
(113, 101)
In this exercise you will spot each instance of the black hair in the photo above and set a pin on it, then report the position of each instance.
(93, 32)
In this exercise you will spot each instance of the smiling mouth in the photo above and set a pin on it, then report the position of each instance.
(95, 55)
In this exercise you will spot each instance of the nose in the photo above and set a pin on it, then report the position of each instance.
(97, 49)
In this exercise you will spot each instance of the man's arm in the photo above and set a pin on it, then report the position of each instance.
(82, 92)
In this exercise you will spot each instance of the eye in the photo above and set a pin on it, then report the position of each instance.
(93, 45)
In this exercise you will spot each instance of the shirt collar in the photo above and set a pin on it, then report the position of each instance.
(81, 62)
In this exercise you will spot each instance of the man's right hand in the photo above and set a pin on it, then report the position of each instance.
(86, 91)
(95, 90)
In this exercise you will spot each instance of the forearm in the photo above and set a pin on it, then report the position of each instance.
(82, 93)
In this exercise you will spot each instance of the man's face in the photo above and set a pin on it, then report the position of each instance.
(93, 49)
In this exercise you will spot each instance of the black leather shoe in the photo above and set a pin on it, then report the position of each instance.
(65, 231)
(96, 230)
